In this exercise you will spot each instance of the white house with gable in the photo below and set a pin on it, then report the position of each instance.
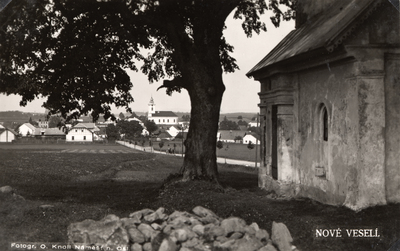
(251, 137)
(27, 129)
(83, 132)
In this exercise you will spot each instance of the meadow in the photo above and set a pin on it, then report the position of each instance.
(235, 151)
(98, 180)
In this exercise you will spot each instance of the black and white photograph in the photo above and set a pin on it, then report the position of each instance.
(200, 125)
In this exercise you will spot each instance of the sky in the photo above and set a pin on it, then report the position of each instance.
(241, 94)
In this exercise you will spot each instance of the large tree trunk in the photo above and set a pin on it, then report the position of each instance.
(205, 91)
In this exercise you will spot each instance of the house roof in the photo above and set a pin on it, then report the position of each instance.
(89, 126)
(230, 134)
(255, 135)
(30, 126)
(180, 134)
(50, 131)
(326, 30)
(7, 129)
(164, 114)
(164, 135)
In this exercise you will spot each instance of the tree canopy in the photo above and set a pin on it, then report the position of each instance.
(130, 129)
(228, 125)
(75, 54)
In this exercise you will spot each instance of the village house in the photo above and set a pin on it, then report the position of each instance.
(329, 105)
(173, 130)
(54, 133)
(161, 117)
(7, 135)
(43, 123)
(27, 129)
(251, 137)
(253, 124)
(163, 135)
(83, 132)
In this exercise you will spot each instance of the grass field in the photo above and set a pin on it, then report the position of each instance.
(100, 180)
(230, 150)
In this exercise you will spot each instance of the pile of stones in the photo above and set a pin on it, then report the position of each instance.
(147, 230)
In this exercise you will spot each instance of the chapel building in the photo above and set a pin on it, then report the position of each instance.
(330, 105)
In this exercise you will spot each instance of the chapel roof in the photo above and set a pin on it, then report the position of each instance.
(326, 30)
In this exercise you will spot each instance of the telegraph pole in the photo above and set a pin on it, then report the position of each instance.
(256, 142)
(182, 140)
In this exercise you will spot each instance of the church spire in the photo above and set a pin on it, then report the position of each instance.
(152, 107)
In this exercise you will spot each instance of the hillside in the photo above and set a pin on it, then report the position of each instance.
(234, 116)
(19, 117)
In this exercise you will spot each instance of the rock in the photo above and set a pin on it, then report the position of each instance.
(168, 245)
(191, 243)
(262, 235)
(118, 239)
(157, 215)
(168, 229)
(247, 243)
(268, 247)
(183, 234)
(214, 232)
(250, 230)
(221, 239)
(254, 226)
(236, 235)
(185, 249)
(180, 235)
(203, 247)
(141, 213)
(233, 224)
(294, 248)
(161, 215)
(147, 247)
(147, 231)
(209, 219)
(18, 197)
(281, 237)
(198, 229)
(156, 226)
(6, 189)
(157, 240)
(204, 212)
(227, 245)
(136, 247)
(130, 222)
(178, 214)
(136, 236)
(180, 219)
(46, 206)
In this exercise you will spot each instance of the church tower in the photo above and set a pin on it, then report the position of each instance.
(152, 108)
